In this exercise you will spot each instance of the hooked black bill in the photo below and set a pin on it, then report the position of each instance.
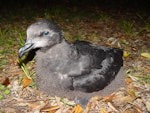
(25, 49)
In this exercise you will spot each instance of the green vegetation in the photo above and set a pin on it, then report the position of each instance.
(101, 16)
(127, 27)
(4, 91)
(24, 69)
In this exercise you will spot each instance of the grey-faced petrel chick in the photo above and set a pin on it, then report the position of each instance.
(76, 70)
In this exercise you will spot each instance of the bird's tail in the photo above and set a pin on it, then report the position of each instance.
(118, 54)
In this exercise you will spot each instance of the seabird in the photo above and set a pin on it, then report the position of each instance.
(76, 70)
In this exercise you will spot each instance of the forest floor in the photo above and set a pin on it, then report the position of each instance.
(127, 28)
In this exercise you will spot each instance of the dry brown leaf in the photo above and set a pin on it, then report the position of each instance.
(95, 98)
(108, 98)
(59, 111)
(6, 82)
(26, 82)
(53, 111)
(108, 44)
(127, 111)
(121, 100)
(50, 108)
(59, 102)
(89, 105)
(131, 92)
(70, 110)
(148, 106)
(138, 108)
(78, 109)
(33, 106)
(137, 111)
(16, 73)
(103, 110)
(131, 86)
(9, 110)
(128, 80)
(112, 107)
(126, 99)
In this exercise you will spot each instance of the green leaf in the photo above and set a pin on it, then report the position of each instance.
(7, 91)
(1, 97)
(23, 67)
(2, 87)
(3, 62)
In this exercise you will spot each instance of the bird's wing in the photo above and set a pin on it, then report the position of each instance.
(104, 65)
(95, 53)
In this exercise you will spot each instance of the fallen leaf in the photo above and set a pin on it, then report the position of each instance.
(70, 110)
(126, 54)
(68, 102)
(7, 91)
(108, 98)
(95, 98)
(2, 87)
(78, 109)
(50, 109)
(26, 82)
(146, 55)
(89, 105)
(127, 111)
(136, 111)
(103, 110)
(122, 100)
(138, 108)
(126, 99)
(9, 110)
(112, 107)
(1, 97)
(128, 80)
(58, 111)
(131, 92)
(108, 44)
(6, 82)
(148, 106)
(59, 102)
(36, 106)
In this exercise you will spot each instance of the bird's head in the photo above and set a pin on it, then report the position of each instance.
(41, 34)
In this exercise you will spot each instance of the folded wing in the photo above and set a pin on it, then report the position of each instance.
(105, 63)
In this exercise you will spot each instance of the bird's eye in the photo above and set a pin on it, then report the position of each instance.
(46, 32)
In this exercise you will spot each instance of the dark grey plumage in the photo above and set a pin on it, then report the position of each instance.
(71, 70)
